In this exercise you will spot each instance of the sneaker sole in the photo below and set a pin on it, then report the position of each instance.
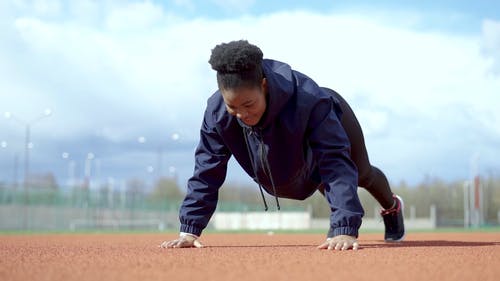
(403, 214)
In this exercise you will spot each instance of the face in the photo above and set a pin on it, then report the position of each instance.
(247, 104)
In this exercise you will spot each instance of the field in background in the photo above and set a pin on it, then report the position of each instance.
(132, 207)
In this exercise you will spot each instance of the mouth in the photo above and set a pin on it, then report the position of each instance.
(248, 121)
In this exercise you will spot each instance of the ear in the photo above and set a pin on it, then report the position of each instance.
(263, 85)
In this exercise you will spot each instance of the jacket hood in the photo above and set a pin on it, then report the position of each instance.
(280, 88)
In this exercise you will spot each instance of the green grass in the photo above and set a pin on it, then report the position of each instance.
(460, 229)
(489, 229)
(43, 232)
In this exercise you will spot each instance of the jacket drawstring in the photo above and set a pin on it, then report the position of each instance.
(267, 169)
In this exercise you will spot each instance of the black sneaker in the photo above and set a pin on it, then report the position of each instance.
(394, 222)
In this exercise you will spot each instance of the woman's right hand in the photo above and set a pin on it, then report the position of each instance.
(185, 240)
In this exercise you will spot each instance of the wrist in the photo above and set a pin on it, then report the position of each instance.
(192, 229)
(189, 236)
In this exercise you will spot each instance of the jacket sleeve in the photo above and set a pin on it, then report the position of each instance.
(331, 150)
(211, 159)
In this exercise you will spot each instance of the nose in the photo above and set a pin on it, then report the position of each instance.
(241, 114)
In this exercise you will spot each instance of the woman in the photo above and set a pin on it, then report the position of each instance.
(292, 137)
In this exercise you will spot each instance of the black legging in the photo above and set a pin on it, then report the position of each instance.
(369, 177)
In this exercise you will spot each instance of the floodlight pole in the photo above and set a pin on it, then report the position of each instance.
(27, 146)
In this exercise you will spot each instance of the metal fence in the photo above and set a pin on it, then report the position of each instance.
(78, 209)
(36, 209)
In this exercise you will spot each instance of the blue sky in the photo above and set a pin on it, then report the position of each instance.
(124, 79)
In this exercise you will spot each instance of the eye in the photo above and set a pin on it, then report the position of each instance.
(230, 110)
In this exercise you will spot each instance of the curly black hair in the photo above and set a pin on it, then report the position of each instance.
(238, 64)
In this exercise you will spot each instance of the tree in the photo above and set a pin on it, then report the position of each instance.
(166, 189)
(44, 181)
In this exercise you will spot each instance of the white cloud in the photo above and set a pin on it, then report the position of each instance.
(47, 7)
(491, 43)
(39, 8)
(136, 16)
(374, 121)
(141, 70)
(186, 4)
(87, 12)
(234, 5)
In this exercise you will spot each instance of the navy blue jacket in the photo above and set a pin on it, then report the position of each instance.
(301, 140)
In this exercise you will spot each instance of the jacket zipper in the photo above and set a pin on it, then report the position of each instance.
(261, 153)
(265, 166)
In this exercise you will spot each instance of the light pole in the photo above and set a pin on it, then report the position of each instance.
(159, 165)
(3, 146)
(173, 173)
(172, 169)
(27, 146)
(88, 169)
(71, 169)
(150, 169)
(27, 140)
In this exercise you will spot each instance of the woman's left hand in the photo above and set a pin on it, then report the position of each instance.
(340, 242)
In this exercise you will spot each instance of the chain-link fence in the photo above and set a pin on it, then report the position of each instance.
(36, 209)
(80, 209)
